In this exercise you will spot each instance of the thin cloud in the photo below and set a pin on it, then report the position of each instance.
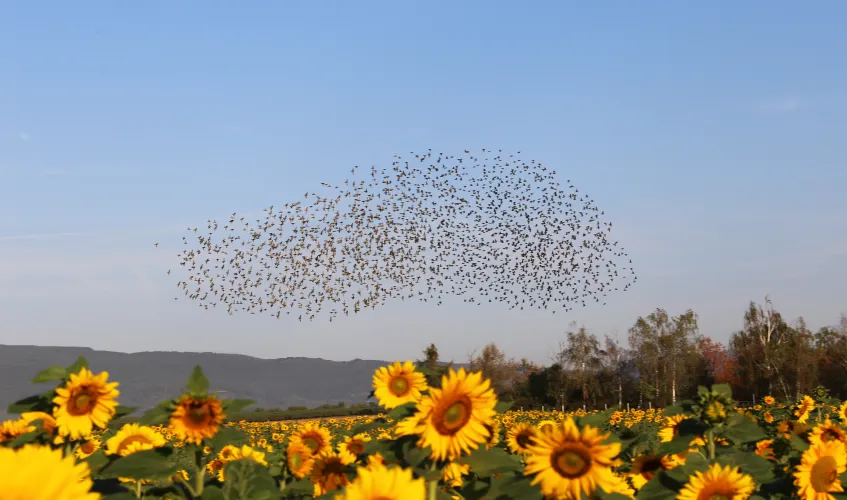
(24, 136)
(54, 172)
(38, 236)
(780, 105)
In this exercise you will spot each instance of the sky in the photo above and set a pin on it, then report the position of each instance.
(712, 134)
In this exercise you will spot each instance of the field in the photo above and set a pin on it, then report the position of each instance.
(454, 440)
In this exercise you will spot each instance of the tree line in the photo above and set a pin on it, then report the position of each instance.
(664, 358)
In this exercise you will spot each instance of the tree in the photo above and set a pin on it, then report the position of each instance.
(720, 364)
(760, 348)
(503, 373)
(615, 361)
(580, 355)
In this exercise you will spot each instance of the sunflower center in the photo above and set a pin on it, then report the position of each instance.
(82, 402)
(720, 496)
(829, 435)
(296, 460)
(571, 463)
(454, 417)
(312, 443)
(356, 448)
(87, 447)
(333, 468)
(199, 413)
(131, 440)
(524, 440)
(399, 386)
(823, 474)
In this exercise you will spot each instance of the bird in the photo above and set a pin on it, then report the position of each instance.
(486, 227)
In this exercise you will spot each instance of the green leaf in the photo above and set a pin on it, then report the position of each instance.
(494, 461)
(121, 495)
(77, 365)
(750, 463)
(799, 443)
(41, 402)
(236, 405)
(740, 429)
(29, 437)
(53, 373)
(401, 412)
(145, 464)
(96, 461)
(503, 406)
(300, 487)
(515, 486)
(599, 420)
(414, 455)
(694, 462)
(158, 415)
(212, 492)
(122, 411)
(677, 445)
(248, 480)
(724, 390)
(197, 382)
(661, 487)
(384, 448)
(227, 435)
(367, 428)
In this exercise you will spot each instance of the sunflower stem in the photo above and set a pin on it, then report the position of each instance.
(710, 435)
(138, 488)
(433, 485)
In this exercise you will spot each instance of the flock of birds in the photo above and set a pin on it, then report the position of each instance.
(488, 229)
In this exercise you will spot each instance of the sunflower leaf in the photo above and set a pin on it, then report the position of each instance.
(212, 492)
(299, 487)
(248, 480)
(53, 373)
(367, 428)
(122, 411)
(694, 462)
(487, 462)
(750, 463)
(78, 365)
(741, 429)
(227, 435)
(96, 461)
(677, 445)
(236, 405)
(157, 415)
(414, 455)
(26, 438)
(197, 382)
(514, 486)
(145, 464)
(503, 406)
(661, 487)
(401, 412)
(799, 443)
(41, 402)
(599, 420)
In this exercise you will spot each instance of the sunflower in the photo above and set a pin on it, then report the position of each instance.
(645, 467)
(452, 474)
(827, 431)
(299, 459)
(807, 404)
(454, 417)
(375, 482)
(132, 438)
(547, 425)
(621, 487)
(520, 437)
(354, 444)
(180, 476)
(85, 401)
(329, 471)
(493, 434)
(88, 447)
(196, 418)
(842, 412)
(11, 429)
(768, 400)
(317, 438)
(48, 423)
(243, 453)
(398, 384)
(817, 474)
(764, 449)
(24, 475)
(568, 462)
(670, 428)
(718, 482)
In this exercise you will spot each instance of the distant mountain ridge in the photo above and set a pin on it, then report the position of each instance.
(147, 378)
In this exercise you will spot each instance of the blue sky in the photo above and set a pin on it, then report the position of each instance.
(711, 133)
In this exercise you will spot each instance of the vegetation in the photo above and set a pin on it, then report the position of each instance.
(453, 439)
(666, 358)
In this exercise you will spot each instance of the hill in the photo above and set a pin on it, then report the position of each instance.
(149, 377)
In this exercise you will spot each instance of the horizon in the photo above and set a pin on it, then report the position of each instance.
(709, 136)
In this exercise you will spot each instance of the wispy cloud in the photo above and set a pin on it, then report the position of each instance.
(24, 136)
(780, 105)
(38, 236)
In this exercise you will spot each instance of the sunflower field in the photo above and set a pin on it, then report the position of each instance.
(454, 441)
